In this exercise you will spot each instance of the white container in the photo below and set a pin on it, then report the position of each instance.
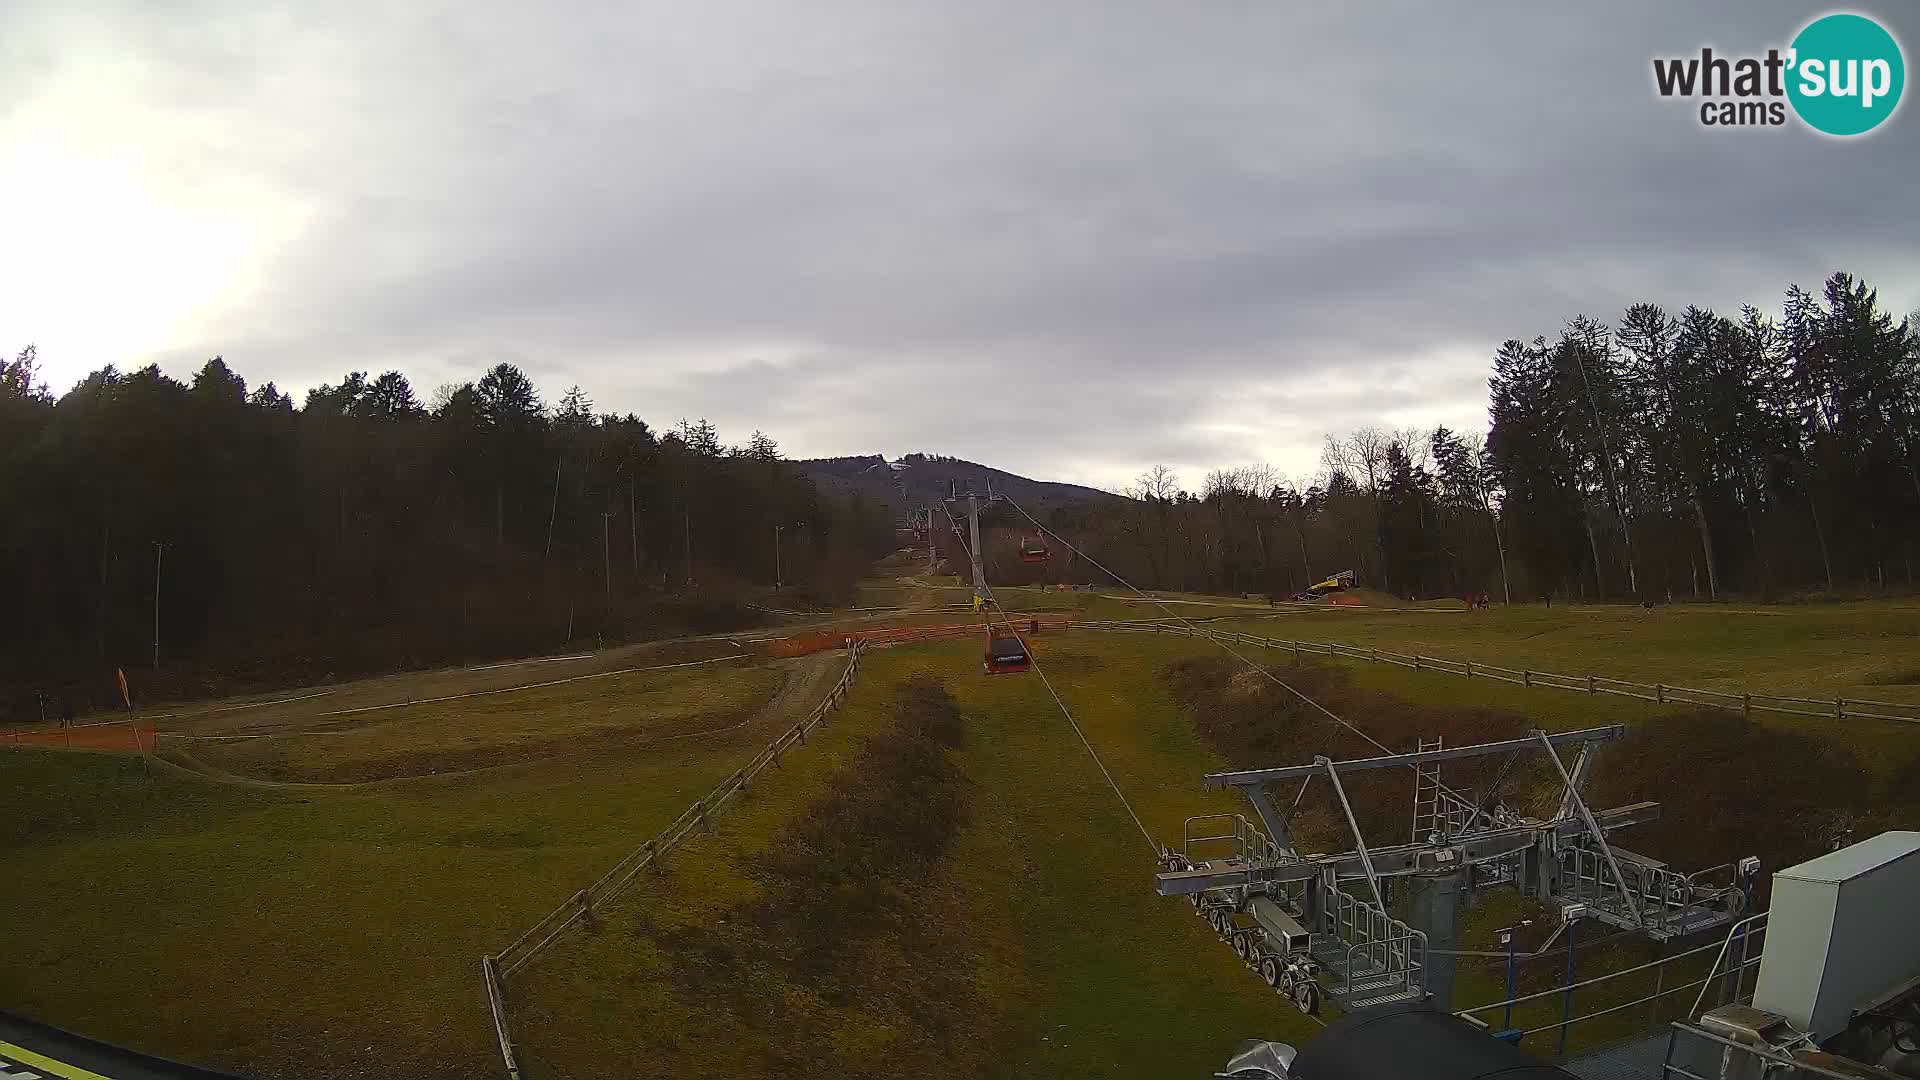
(1844, 928)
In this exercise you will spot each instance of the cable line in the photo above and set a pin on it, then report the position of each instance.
(994, 603)
(1177, 617)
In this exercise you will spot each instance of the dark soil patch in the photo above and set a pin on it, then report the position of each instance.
(1903, 792)
(1729, 788)
(852, 964)
(1256, 723)
(1895, 677)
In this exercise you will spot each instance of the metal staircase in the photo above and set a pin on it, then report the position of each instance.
(1366, 956)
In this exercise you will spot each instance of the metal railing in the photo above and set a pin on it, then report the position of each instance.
(497, 968)
(1381, 954)
(1724, 982)
(1250, 845)
(1715, 1057)
(1746, 703)
(1664, 898)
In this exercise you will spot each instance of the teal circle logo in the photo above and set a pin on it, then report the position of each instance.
(1845, 74)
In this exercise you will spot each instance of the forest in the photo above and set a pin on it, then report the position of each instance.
(1689, 456)
(206, 538)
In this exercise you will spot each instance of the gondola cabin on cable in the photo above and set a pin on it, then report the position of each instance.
(1034, 551)
(1006, 654)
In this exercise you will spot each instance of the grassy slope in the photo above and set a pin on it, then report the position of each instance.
(131, 886)
(1856, 649)
(1842, 649)
(479, 732)
(289, 934)
(1830, 649)
(1091, 973)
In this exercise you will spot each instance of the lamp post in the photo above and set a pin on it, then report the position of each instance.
(1571, 914)
(776, 556)
(1506, 939)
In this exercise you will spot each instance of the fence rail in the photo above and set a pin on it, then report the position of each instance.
(497, 968)
(1746, 703)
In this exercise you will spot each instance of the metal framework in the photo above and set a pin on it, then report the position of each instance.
(1351, 946)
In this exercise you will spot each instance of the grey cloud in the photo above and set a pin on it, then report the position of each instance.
(1068, 239)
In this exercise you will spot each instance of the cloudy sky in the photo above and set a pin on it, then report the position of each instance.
(1067, 239)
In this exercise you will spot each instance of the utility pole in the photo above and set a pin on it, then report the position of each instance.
(686, 524)
(606, 553)
(158, 547)
(633, 530)
(553, 510)
(776, 555)
(933, 560)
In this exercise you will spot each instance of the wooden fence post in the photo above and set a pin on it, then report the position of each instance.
(1416, 661)
(1469, 669)
(1296, 652)
(1839, 708)
(1746, 706)
(1589, 684)
(1526, 677)
(1660, 693)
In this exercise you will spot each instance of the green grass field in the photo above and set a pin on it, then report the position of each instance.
(1866, 650)
(1049, 892)
(265, 928)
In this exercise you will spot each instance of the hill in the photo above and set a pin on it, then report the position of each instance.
(927, 478)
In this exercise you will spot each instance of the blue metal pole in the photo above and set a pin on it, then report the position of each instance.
(1566, 1005)
(1508, 1025)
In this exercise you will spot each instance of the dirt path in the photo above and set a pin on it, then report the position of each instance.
(805, 681)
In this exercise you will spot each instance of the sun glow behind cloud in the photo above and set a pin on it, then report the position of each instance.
(112, 251)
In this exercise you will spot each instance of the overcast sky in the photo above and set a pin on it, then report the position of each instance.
(1066, 239)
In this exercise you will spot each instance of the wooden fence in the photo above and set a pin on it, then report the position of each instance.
(1746, 703)
(497, 968)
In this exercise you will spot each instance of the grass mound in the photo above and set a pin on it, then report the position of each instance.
(1255, 723)
(839, 926)
(1729, 788)
(842, 956)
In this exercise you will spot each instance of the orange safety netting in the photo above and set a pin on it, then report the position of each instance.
(122, 736)
(822, 640)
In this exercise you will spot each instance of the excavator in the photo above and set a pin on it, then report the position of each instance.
(1339, 582)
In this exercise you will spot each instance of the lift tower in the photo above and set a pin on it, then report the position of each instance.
(1327, 919)
(973, 502)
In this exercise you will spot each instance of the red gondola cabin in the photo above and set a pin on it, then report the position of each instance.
(1034, 551)
(1005, 655)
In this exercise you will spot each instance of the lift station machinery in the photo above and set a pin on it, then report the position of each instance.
(1313, 924)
